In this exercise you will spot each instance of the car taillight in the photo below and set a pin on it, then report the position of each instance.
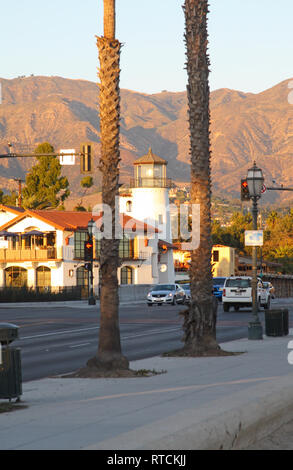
(224, 292)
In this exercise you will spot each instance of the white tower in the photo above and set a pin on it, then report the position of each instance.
(150, 203)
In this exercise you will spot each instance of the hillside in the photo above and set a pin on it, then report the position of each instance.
(64, 112)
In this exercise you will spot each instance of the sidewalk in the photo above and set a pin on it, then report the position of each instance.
(199, 403)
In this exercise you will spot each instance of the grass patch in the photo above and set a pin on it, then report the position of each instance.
(148, 373)
(7, 407)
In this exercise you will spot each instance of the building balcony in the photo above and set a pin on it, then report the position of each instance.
(150, 183)
(33, 254)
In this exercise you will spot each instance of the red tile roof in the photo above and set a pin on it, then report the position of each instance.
(73, 220)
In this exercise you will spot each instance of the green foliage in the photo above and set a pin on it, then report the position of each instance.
(80, 208)
(9, 199)
(278, 237)
(87, 182)
(232, 235)
(45, 187)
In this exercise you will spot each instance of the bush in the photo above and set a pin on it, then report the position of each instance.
(40, 294)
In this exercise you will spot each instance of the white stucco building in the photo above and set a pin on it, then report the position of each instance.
(46, 248)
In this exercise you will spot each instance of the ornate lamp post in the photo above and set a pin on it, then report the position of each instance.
(255, 182)
(92, 300)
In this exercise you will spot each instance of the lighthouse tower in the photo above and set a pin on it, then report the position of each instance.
(150, 203)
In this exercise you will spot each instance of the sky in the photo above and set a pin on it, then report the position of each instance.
(250, 42)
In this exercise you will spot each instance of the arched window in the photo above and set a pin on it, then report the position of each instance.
(126, 275)
(15, 276)
(82, 277)
(43, 276)
(129, 206)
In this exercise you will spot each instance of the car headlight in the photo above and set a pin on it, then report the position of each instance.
(149, 294)
(221, 289)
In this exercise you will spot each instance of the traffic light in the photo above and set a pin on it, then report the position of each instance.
(244, 190)
(86, 158)
(88, 250)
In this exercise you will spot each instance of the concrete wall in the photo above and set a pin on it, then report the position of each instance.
(134, 292)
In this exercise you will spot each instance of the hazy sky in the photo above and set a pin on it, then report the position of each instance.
(251, 41)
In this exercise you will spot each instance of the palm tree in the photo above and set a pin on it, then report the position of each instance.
(109, 355)
(200, 319)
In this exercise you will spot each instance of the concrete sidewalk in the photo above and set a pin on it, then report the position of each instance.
(199, 403)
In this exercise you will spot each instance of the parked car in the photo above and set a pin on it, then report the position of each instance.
(237, 293)
(218, 283)
(270, 287)
(166, 294)
(186, 288)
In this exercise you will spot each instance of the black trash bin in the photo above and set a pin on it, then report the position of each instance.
(277, 322)
(10, 363)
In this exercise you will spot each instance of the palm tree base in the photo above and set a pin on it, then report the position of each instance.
(200, 352)
(105, 365)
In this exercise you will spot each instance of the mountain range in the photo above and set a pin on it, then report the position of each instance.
(245, 127)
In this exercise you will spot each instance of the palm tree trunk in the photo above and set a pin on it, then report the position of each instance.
(109, 355)
(200, 319)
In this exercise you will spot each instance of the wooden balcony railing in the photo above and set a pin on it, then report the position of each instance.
(33, 254)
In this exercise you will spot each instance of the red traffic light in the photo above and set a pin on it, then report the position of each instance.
(88, 250)
(245, 196)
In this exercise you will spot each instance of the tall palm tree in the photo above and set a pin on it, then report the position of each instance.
(109, 355)
(200, 319)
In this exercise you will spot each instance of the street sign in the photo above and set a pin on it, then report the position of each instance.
(253, 237)
(264, 188)
(67, 156)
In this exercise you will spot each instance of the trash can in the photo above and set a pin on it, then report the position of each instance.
(10, 363)
(277, 322)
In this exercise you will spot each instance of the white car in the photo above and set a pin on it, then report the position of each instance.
(166, 294)
(237, 293)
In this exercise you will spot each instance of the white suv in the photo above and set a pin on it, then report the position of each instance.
(237, 293)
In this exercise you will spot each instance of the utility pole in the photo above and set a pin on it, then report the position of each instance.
(19, 181)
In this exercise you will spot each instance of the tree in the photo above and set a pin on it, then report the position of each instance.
(200, 319)
(109, 356)
(86, 183)
(45, 187)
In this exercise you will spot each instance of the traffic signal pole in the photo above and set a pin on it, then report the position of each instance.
(85, 156)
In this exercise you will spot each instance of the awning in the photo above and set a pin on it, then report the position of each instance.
(33, 233)
(4, 233)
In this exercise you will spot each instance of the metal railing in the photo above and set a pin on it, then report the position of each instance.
(150, 183)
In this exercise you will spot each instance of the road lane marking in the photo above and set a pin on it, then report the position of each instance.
(59, 333)
(79, 345)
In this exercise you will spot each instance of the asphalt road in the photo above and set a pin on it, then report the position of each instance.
(59, 339)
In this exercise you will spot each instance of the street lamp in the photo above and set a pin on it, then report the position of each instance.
(90, 226)
(255, 182)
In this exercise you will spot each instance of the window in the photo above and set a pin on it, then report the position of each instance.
(79, 239)
(43, 276)
(81, 277)
(126, 250)
(126, 275)
(15, 277)
(129, 206)
(238, 282)
(216, 256)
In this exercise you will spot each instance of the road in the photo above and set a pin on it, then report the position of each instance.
(59, 339)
